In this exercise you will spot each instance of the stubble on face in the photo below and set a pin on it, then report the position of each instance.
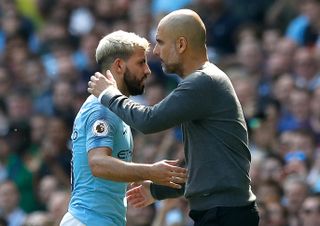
(134, 86)
(171, 64)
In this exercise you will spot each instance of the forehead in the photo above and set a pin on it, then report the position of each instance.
(139, 53)
(162, 31)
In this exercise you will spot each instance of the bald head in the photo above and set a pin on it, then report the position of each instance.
(185, 23)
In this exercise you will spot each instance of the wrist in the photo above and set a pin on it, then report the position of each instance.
(147, 172)
(102, 94)
(108, 94)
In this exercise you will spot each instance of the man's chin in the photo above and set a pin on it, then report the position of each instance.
(167, 69)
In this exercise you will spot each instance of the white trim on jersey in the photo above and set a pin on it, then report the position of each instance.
(69, 220)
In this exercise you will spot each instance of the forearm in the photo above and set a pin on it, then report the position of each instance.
(114, 169)
(161, 192)
(146, 119)
(170, 112)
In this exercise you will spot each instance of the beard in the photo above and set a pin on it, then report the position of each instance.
(134, 86)
(172, 66)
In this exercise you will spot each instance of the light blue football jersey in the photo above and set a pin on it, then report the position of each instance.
(96, 201)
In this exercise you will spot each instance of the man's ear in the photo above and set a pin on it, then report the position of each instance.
(119, 66)
(181, 44)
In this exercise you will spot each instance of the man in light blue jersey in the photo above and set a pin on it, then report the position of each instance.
(102, 142)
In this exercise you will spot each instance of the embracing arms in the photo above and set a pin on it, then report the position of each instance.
(164, 172)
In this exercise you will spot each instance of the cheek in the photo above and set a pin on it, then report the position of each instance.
(172, 55)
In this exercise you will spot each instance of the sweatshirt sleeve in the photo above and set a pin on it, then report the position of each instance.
(181, 105)
(160, 192)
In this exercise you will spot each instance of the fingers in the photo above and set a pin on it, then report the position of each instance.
(92, 84)
(179, 173)
(134, 185)
(135, 198)
(173, 185)
(178, 170)
(179, 179)
(172, 162)
(98, 75)
(133, 191)
(109, 75)
(165, 173)
(136, 201)
(174, 166)
(98, 82)
(176, 179)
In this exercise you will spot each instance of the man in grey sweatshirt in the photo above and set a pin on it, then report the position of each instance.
(214, 131)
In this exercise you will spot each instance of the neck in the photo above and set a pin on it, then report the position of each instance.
(192, 64)
(120, 84)
(123, 89)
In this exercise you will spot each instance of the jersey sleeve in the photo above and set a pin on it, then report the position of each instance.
(100, 129)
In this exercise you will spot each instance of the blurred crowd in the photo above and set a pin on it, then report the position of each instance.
(270, 49)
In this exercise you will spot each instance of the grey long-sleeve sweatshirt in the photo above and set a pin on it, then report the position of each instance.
(214, 135)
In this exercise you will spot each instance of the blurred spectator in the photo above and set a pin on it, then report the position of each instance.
(141, 217)
(246, 89)
(281, 89)
(81, 15)
(38, 218)
(298, 113)
(277, 214)
(160, 7)
(19, 106)
(284, 56)
(47, 186)
(13, 24)
(295, 191)
(141, 19)
(84, 56)
(281, 12)
(304, 30)
(221, 24)
(172, 212)
(4, 154)
(3, 221)
(314, 174)
(5, 83)
(55, 151)
(38, 126)
(263, 214)
(296, 164)
(315, 114)
(269, 191)
(58, 205)
(250, 56)
(251, 10)
(38, 84)
(306, 69)
(272, 169)
(9, 204)
(63, 96)
(310, 211)
(270, 38)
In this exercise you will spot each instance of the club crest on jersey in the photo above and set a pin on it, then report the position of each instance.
(100, 128)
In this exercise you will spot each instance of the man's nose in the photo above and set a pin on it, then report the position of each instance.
(147, 71)
(155, 50)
